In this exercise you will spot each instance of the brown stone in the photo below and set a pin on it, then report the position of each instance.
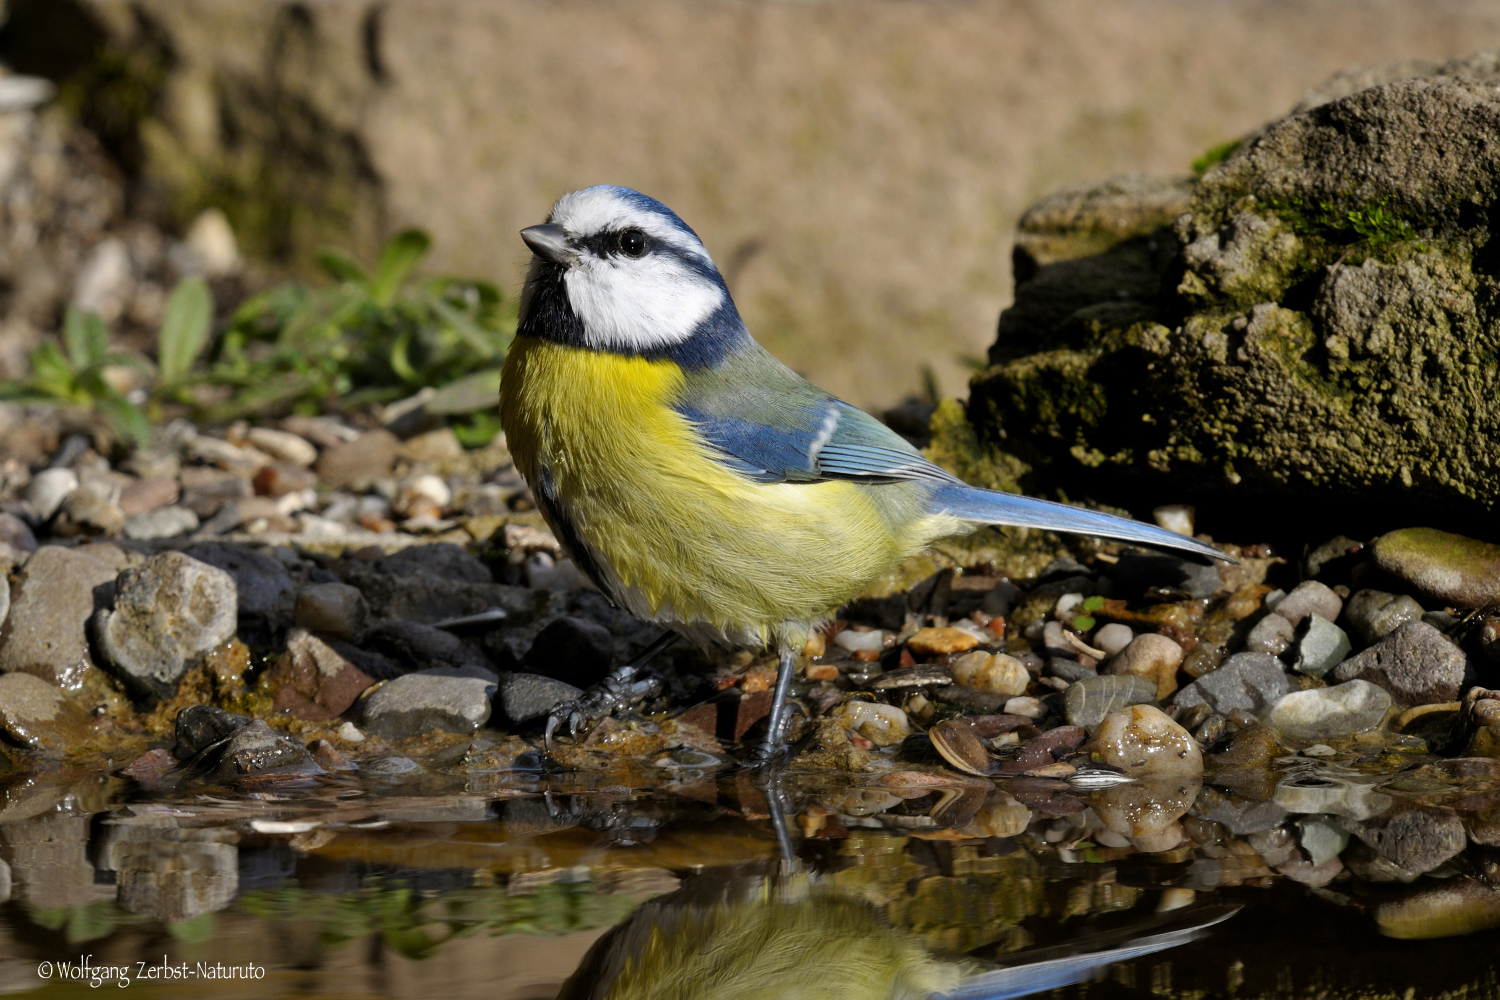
(936, 641)
(280, 478)
(369, 457)
(312, 681)
(146, 495)
(1152, 656)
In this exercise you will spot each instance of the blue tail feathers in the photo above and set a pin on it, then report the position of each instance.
(970, 503)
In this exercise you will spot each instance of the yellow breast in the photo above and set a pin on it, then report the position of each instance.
(689, 539)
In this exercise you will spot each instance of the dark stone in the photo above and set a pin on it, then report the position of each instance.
(571, 649)
(1135, 573)
(420, 596)
(256, 748)
(1416, 663)
(1247, 681)
(1049, 747)
(440, 559)
(523, 697)
(422, 647)
(1069, 670)
(200, 726)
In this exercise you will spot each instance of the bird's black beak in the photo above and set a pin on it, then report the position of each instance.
(549, 242)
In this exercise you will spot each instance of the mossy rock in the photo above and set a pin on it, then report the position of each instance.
(1320, 321)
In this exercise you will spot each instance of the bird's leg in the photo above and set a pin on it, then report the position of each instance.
(771, 746)
(617, 692)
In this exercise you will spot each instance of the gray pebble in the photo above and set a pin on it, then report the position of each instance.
(1416, 663)
(1375, 614)
(163, 522)
(258, 749)
(524, 697)
(420, 703)
(1087, 702)
(1247, 681)
(1324, 713)
(1272, 634)
(1323, 646)
(1307, 598)
(336, 608)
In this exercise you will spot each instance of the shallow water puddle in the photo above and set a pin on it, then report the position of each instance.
(734, 888)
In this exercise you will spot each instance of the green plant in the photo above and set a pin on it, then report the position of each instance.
(370, 337)
(75, 374)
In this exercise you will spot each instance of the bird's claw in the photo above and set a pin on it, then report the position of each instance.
(617, 692)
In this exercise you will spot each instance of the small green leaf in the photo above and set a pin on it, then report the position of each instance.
(184, 328)
(342, 267)
(1092, 604)
(399, 363)
(127, 419)
(397, 259)
(85, 336)
(1083, 623)
(51, 373)
(475, 391)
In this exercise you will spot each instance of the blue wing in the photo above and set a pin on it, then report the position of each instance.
(1052, 968)
(826, 440)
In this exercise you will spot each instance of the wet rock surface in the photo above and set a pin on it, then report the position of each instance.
(45, 631)
(1416, 663)
(422, 702)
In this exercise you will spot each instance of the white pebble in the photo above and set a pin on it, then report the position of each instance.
(348, 731)
(882, 725)
(431, 487)
(1176, 517)
(1113, 638)
(855, 641)
(48, 489)
(1030, 707)
(1066, 605)
(283, 445)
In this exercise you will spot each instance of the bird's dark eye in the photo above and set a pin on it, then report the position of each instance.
(633, 243)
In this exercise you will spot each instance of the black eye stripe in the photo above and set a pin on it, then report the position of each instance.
(608, 243)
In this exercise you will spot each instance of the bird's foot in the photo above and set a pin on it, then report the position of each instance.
(620, 690)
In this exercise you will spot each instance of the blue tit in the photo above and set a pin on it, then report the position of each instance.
(699, 482)
(798, 936)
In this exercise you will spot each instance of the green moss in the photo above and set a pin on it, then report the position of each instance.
(956, 447)
(1214, 155)
(1374, 224)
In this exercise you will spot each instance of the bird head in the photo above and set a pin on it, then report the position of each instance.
(614, 270)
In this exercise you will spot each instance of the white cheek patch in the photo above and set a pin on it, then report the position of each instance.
(629, 304)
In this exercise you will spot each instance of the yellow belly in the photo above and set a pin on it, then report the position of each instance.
(689, 539)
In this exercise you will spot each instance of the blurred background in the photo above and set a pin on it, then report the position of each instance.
(856, 168)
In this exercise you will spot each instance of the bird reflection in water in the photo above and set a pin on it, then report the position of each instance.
(797, 935)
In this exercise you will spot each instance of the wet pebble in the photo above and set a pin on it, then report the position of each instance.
(1031, 708)
(1088, 702)
(1375, 614)
(1142, 741)
(421, 703)
(882, 725)
(1246, 681)
(167, 614)
(1322, 838)
(1415, 840)
(1154, 657)
(1355, 706)
(200, 726)
(39, 716)
(256, 748)
(329, 757)
(1416, 663)
(1272, 634)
